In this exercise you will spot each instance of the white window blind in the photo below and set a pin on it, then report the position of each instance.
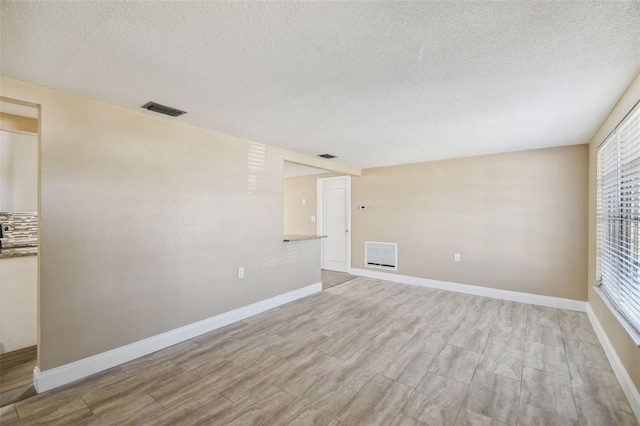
(619, 218)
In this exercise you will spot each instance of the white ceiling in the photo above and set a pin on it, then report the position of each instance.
(375, 83)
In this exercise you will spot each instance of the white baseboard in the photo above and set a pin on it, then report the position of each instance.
(49, 379)
(621, 373)
(516, 296)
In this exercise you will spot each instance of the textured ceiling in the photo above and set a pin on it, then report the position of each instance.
(375, 83)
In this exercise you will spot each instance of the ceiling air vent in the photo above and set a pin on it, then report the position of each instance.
(152, 106)
(327, 156)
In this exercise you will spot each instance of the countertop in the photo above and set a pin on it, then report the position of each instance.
(9, 252)
(291, 237)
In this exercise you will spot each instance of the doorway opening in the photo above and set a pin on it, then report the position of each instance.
(19, 240)
(299, 197)
(306, 204)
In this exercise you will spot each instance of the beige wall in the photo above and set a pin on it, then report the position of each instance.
(628, 352)
(297, 216)
(518, 219)
(18, 123)
(144, 222)
(18, 172)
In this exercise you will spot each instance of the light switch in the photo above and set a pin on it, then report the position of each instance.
(304, 201)
(313, 218)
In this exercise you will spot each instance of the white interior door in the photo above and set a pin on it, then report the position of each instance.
(334, 221)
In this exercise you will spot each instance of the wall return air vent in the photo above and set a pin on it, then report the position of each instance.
(163, 109)
(381, 255)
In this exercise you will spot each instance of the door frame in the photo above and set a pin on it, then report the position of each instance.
(320, 215)
(38, 108)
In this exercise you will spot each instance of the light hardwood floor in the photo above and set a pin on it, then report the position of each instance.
(16, 375)
(333, 278)
(365, 352)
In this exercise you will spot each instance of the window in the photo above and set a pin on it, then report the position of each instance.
(619, 219)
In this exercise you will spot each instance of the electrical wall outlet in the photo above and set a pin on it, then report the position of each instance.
(313, 218)
(456, 257)
(241, 272)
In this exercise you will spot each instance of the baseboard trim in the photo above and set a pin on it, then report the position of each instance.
(516, 296)
(629, 389)
(55, 377)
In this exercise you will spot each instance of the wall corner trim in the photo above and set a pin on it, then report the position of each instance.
(496, 293)
(629, 389)
(58, 376)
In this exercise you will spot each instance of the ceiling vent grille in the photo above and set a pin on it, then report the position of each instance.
(381, 255)
(162, 109)
(327, 156)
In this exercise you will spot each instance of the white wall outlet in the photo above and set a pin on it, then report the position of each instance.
(241, 272)
(304, 201)
(456, 257)
(313, 218)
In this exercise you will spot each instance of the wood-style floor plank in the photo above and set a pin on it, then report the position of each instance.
(364, 352)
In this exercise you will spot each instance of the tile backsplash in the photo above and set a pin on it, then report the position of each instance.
(19, 228)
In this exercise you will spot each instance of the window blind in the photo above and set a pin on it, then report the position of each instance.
(618, 243)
